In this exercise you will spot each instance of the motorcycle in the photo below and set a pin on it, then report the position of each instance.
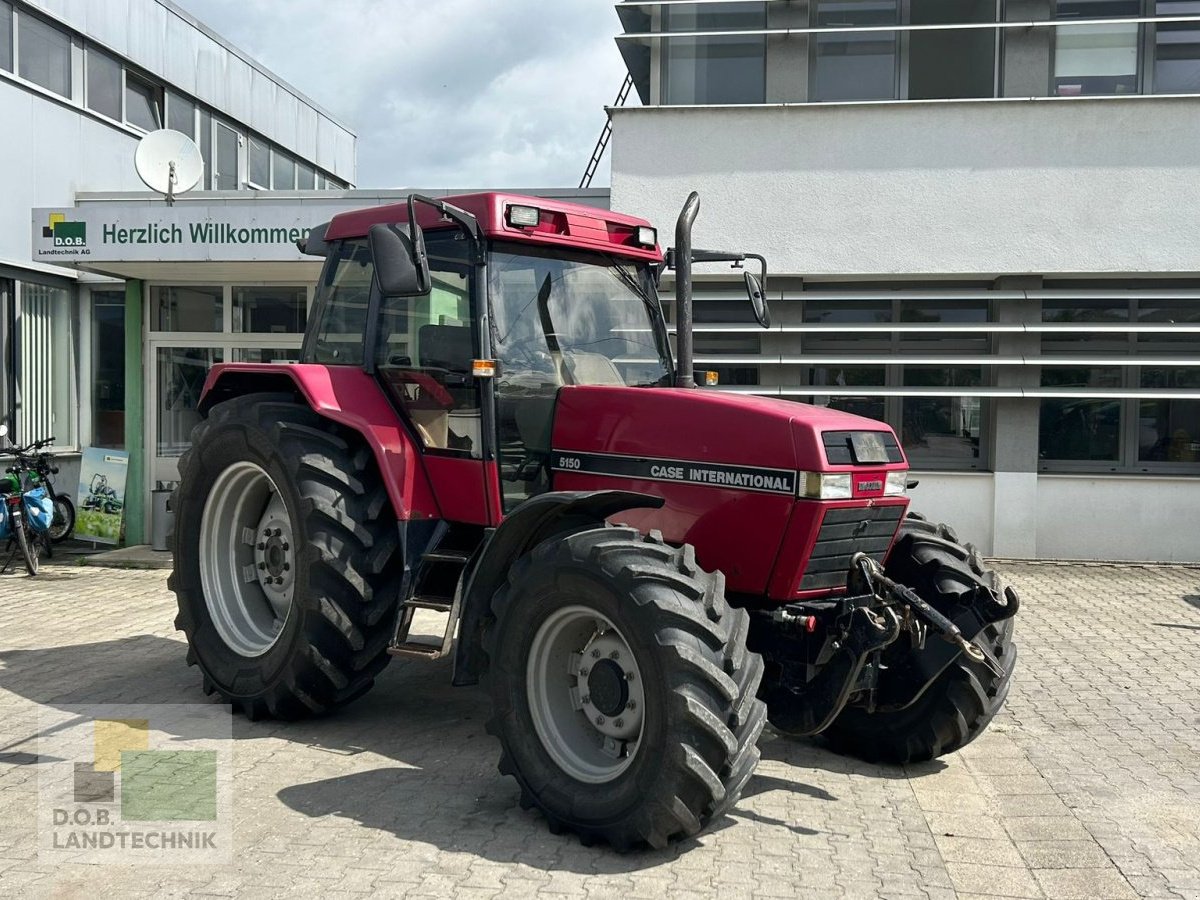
(41, 468)
(27, 512)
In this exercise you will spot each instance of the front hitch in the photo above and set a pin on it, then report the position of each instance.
(811, 692)
(867, 572)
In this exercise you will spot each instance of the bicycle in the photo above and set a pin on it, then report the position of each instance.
(23, 510)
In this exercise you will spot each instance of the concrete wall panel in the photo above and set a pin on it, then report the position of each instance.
(957, 187)
(962, 500)
(1113, 518)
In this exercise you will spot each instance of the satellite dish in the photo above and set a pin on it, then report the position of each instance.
(168, 162)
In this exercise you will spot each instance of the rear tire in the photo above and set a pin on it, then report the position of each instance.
(333, 612)
(63, 525)
(964, 699)
(609, 597)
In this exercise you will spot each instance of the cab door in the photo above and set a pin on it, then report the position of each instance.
(424, 350)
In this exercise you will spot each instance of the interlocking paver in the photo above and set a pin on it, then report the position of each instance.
(1087, 785)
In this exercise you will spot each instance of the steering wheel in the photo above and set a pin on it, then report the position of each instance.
(428, 385)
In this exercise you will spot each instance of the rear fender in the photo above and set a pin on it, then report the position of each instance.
(532, 522)
(350, 397)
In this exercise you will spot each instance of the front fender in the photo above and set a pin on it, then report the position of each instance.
(532, 522)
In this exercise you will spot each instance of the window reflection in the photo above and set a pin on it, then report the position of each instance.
(181, 372)
(855, 66)
(1096, 59)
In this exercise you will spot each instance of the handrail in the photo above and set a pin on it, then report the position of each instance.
(938, 26)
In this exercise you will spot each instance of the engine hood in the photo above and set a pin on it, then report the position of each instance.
(702, 426)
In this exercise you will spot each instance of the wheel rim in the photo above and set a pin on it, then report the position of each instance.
(247, 559)
(585, 694)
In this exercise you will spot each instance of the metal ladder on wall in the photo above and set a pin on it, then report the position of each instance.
(605, 135)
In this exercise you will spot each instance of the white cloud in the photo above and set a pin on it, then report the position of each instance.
(450, 93)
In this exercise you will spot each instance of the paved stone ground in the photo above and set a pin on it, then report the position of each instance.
(1087, 786)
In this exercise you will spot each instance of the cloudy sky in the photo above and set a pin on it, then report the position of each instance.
(444, 93)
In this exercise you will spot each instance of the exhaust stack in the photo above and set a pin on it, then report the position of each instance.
(684, 377)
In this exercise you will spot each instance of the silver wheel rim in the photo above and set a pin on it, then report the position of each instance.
(247, 559)
(585, 694)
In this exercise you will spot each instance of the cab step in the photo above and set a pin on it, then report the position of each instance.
(437, 604)
(417, 650)
(435, 588)
(459, 557)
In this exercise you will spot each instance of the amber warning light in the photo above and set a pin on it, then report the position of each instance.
(483, 368)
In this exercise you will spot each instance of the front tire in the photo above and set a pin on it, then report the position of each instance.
(28, 547)
(964, 699)
(623, 693)
(286, 559)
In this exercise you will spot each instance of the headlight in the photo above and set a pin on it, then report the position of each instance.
(896, 485)
(825, 486)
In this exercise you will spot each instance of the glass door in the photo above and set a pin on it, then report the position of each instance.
(192, 328)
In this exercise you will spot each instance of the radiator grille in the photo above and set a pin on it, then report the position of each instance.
(844, 532)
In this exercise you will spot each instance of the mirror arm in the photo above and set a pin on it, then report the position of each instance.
(460, 216)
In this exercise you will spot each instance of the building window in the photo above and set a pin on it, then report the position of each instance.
(44, 54)
(942, 426)
(283, 171)
(143, 103)
(1177, 49)
(103, 84)
(944, 64)
(714, 70)
(1169, 430)
(189, 309)
(45, 365)
(225, 172)
(859, 367)
(6, 35)
(270, 310)
(181, 114)
(258, 162)
(855, 66)
(1096, 59)
(1129, 433)
(305, 177)
(108, 369)
(206, 149)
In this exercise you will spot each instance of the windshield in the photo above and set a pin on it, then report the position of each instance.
(577, 318)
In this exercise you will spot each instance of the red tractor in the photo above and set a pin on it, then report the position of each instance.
(487, 422)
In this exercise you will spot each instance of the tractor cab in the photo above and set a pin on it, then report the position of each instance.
(474, 347)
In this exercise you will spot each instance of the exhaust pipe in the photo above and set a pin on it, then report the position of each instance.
(684, 376)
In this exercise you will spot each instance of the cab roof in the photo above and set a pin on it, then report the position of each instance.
(560, 224)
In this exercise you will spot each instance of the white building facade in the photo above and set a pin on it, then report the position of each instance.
(982, 224)
(80, 82)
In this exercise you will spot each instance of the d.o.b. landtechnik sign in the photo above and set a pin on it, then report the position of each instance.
(181, 233)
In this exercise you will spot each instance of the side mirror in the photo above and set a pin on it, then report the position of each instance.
(758, 299)
(397, 268)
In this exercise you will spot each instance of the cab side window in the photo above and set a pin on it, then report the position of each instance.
(341, 306)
